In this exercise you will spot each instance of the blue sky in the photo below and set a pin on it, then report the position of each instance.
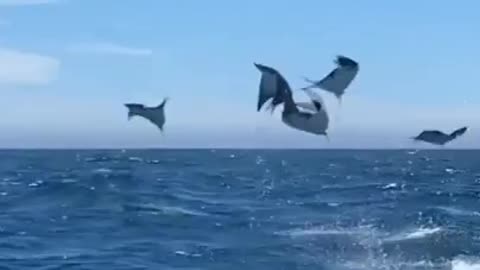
(67, 66)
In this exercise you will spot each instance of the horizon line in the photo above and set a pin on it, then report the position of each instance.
(231, 148)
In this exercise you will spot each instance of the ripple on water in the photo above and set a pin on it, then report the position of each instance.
(228, 209)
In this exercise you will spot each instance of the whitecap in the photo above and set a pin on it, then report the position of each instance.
(414, 234)
(450, 170)
(181, 252)
(186, 254)
(457, 211)
(136, 159)
(423, 232)
(380, 263)
(36, 183)
(390, 186)
(180, 210)
(259, 160)
(168, 210)
(325, 232)
(103, 170)
(96, 159)
(466, 263)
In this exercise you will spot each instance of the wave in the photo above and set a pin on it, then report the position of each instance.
(457, 212)
(390, 186)
(187, 254)
(383, 264)
(103, 171)
(459, 263)
(365, 230)
(466, 263)
(168, 210)
(418, 233)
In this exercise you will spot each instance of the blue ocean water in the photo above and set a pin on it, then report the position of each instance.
(245, 209)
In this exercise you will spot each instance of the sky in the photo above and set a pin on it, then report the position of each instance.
(68, 66)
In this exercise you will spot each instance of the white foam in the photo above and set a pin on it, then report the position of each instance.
(102, 170)
(412, 152)
(181, 252)
(259, 160)
(465, 263)
(390, 186)
(381, 263)
(137, 159)
(180, 210)
(423, 232)
(169, 210)
(36, 183)
(458, 212)
(415, 234)
(324, 232)
(451, 170)
(184, 253)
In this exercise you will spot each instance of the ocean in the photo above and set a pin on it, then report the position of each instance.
(239, 209)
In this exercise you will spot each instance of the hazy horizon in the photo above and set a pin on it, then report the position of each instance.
(68, 66)
(238, 149)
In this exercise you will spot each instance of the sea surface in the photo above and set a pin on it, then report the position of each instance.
(239, 209)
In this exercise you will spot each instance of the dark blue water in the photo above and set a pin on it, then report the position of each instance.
(227, 209)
